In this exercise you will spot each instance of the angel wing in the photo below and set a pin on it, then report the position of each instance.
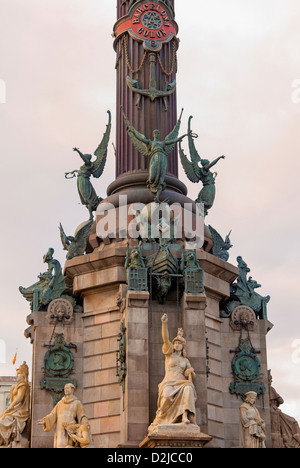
(140, 142)
(217, 239)
(101, 151)
(66, 240)
(173, 136)
(188, 167)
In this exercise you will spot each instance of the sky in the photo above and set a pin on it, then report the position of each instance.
(239, 76)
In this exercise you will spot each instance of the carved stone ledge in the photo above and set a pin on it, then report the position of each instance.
(176, 440)
(138, 299)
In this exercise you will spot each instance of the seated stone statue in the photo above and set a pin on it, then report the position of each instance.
(177, 394)
(285, 429)
(67, 415)
(252, 432)
(14, 419)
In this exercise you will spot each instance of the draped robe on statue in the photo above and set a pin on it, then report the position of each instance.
(67, 411)
(177, 394)
(13, 421)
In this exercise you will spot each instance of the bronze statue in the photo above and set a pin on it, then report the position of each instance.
(76, 245)
(51, 284)
(195, 173)
(158, 151)
(87, 193)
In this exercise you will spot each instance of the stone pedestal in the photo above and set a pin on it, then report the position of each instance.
(176, 436)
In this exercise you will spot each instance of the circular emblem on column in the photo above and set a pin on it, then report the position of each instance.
(149, 22)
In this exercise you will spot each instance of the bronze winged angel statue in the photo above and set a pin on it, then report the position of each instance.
(195, 173)
(76, 245)
(158, 151)
(87, 193)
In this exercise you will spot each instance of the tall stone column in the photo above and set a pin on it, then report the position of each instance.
(146, 47)
(145, 35)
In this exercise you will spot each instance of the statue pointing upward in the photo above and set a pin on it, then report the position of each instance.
(158, 151)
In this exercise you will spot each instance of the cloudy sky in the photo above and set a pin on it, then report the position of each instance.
(239, 76)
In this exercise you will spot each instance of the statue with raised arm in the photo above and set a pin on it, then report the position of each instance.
(177, 394)
(14, 419)
(158, 151)
(203, 173)
(87, 193)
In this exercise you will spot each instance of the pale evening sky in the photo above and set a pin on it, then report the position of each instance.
(239, 72)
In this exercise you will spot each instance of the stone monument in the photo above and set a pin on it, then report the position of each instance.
(138, 270)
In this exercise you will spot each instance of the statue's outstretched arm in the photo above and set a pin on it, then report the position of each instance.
(215, 162)
(178, 140)
(165, 330)
(83, 157)
(143, 139)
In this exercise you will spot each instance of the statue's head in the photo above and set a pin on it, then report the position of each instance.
(22, 372)
(88, 157)
(251, 397)
(69, 389)
(204, 162)
(156, 134)
(179, 343)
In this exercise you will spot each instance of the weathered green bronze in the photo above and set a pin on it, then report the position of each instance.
(195, 173)
(51, 285)
(121, 358)
(243, 293)
(221, 246)
(192, 273)
(158, 151)
(58, 366)
(87, 193)
(76, 246)
(137, 273)
(246, 368)
(152, 93)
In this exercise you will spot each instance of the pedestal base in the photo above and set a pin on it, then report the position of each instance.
(176, 436)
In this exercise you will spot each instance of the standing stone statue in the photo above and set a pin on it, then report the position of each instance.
(13, 421)
(177, 394)
(252, 430)
(70, 420)
(158, 151)
(87, 193)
